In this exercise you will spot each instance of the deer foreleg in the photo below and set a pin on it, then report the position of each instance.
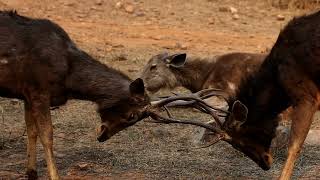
(301, 121)
(32, 143)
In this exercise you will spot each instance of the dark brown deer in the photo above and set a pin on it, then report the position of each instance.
(289, 76)
(222, 72)
(41, 65)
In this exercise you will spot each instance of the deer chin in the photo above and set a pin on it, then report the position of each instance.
(103, 133)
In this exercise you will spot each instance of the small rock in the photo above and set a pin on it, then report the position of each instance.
(83, 166)
(109, 48)
(280, 17)
(148, 22)
(81, 15)
(235, 17)
(94, 8)
(158, 37)
(119, 5)
(129, 9)
(233, 10)
(59, 155)
(211, 20)
(99, 2)
(140, 14)
(61, 135)
(117, 46)
(181, 46)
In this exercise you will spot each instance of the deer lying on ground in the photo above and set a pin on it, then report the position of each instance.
(221, 72)
(42, 66)
(289, 76)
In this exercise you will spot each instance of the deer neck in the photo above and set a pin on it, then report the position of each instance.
(194, 73)
(94, 81)
(264, 97)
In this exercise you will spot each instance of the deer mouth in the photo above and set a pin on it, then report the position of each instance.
(103, 133)
(266, 161)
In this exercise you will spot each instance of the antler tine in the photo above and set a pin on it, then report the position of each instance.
(205, 91)
(199, 101)
(200, 95)
(168, 120)
(168, 112)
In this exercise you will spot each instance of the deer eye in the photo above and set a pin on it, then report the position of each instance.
(131, 117)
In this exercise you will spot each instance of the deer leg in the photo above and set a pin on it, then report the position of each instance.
(32, 143)
(304, 96)
(301, 121)
(40, 111)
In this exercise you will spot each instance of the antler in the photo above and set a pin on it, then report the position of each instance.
(167, 120)
(196, 100)
(184, 101)
(191, 99)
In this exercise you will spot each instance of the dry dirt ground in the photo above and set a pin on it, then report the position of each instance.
(125, 38)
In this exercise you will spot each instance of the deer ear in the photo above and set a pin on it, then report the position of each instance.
(137, 87)
(177, 60)
(239, 112)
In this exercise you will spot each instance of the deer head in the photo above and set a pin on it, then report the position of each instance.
(253, 141)
(126, 112)
(234, 128)
(158, 72)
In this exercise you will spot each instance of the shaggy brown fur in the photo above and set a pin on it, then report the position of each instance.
(288, 77)
(223, 72)
(41, 65)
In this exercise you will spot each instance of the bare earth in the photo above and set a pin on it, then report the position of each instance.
(125, 40)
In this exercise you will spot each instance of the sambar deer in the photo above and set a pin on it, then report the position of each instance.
(289, 76)
(194, 73)
(42, 66)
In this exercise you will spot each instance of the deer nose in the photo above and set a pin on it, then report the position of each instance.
(266, 161)
(103, 134)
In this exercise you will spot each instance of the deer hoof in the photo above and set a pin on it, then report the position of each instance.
(32, 174)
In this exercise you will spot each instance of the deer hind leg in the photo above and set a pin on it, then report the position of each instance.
(32, 143)
(304, 95)
(40, 112)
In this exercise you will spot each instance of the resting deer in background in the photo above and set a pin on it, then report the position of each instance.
(222, 72)
(289, 76)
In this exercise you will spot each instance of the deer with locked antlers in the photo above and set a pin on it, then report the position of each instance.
(42, 66)
(289, 76)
